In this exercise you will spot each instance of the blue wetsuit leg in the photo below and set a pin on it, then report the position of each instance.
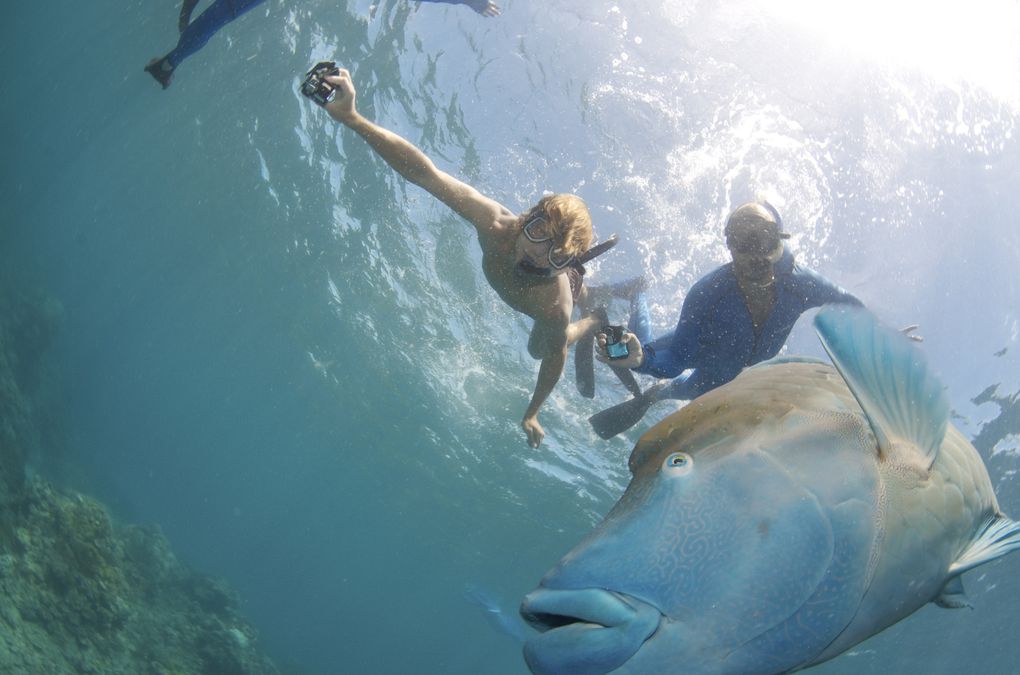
(680, 387)
(640, 323)
(198, 32)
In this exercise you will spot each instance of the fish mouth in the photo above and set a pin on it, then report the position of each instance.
(585, 631)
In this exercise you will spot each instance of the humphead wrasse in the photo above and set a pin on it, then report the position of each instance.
(778, 520)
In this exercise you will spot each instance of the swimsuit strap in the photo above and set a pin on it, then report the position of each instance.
(779, 219)
(775, 214)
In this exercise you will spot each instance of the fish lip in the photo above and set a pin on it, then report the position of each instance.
(579, 625)
(547, 609)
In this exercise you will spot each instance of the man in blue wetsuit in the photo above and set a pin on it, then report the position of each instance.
(194, 34)
(736, 316)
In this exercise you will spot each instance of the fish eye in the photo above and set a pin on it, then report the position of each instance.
(679, 462)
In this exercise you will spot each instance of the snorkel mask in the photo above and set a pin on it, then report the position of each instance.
(558, 262)
(754, 240)
(571, 261)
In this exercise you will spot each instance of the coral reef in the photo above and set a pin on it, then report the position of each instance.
(80, 593)
(28, 326)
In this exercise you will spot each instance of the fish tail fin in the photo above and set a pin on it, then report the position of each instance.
(999, 537)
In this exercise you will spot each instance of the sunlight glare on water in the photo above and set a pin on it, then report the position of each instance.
(975, 42)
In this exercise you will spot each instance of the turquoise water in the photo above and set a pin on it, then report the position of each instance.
(290, 360)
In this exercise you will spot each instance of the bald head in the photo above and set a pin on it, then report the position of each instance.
(754, 228)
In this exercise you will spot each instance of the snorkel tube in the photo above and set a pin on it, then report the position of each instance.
(598, 249)
(577, 263)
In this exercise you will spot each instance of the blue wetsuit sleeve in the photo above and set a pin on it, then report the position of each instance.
(818, 291)
(671, 355)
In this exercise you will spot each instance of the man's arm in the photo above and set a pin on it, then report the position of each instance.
(411, 163)
(819, 291)
(823, 291)
(549, 342)
(672, 354)
(187, 6)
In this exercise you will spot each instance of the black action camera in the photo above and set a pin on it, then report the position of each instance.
(315, 86)
(615, 348)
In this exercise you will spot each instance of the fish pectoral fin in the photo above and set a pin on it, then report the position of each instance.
(904, 402)
(999, 536)
(953, 596)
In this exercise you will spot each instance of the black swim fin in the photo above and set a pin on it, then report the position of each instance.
(623, 416)
(626, 376)
(159, 73)
(584, 365)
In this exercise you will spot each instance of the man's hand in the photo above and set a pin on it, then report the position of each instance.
(534, 430)
(484, 7)
(341, 108)
(635, 355)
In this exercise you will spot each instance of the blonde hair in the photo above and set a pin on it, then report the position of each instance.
(568, 219)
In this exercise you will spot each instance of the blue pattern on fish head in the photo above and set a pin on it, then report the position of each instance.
(713, 544)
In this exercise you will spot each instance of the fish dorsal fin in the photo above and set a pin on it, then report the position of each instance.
(999, 536)
(904, 402)
(790, 358)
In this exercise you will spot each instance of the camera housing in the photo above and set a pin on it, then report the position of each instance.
(315, 86)
(615, 347)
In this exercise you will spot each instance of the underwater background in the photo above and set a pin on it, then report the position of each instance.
(288, 359)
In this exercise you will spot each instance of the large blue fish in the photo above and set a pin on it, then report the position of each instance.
(777, 521)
